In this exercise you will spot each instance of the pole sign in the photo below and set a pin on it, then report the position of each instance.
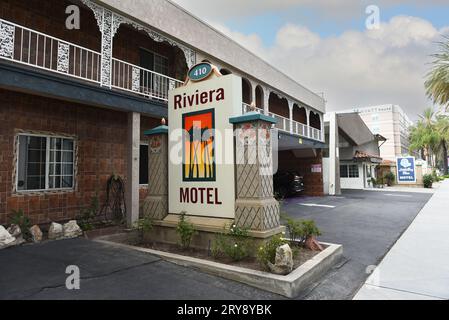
(406, 169)
(201, 159)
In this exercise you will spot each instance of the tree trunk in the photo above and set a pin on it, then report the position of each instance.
(445, 160)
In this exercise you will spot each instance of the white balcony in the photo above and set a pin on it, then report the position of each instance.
(290, 126)
(35, 49)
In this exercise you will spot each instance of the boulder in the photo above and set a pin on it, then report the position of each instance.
(284, 261)
(6, 239)
(56, 231)
(36, 234)
(72, 230)
(15, 230)
(313, 244)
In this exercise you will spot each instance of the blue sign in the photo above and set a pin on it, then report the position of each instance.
(406, 167)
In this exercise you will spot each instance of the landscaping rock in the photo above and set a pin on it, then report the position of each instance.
(313, 244)
(72, 230)
(36, 234)
(284, 261)
(15, 231)
(56, 231)
(6, 239)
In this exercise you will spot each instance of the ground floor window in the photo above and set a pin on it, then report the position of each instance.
(349, 171)
(45, 163)
(143, 170)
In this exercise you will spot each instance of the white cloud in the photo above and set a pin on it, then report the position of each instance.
(356, 68)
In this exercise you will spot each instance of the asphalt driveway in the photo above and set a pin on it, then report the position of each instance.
(366, 223)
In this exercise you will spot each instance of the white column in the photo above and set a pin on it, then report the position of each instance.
(290, 109)
(334, 161)
(322, 127)
(132, 174)
(266, 100)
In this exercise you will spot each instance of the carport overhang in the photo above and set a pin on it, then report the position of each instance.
(287, 141)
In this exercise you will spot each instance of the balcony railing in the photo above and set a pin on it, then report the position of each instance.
(35, 49)
(132, 78)
(284, 124)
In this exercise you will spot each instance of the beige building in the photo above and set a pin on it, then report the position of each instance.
(391, 122)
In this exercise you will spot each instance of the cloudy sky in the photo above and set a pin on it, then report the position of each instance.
(325, 45)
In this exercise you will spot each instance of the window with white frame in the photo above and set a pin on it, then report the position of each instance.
(45, 163)
(349, 171)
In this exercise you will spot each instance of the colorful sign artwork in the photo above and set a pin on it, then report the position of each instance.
(199, 146)
(406, 169)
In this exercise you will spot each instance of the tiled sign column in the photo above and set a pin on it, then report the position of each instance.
(256, 209)
(156, 204)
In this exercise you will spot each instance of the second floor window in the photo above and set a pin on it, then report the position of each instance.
(45, 163)
(154, 62)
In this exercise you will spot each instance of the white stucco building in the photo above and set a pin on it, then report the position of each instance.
(391, 122)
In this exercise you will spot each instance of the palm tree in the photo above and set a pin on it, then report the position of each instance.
(437, 84)
(442, 130)
(423, 135)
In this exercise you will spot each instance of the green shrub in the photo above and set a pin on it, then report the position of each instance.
(300, 230)
(295, 230)
(267, 252)
(428, 181)
(233, 243)
(310, 229)
(88, 215)
(390, 178)
(24, 223)
(144, 225)
(185, 231)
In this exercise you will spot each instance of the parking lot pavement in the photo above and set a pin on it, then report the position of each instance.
(37, 272)
(366, 223)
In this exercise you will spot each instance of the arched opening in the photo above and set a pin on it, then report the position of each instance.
(158, 62)
(246, 91)
(259, 97)
(225, 72)
(315, 121)
(278, 106)
(299, 114)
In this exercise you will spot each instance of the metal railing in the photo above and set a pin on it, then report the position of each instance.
(132, 78)
(247, 108)
(33, 48)
(284, 124)
(36, 49)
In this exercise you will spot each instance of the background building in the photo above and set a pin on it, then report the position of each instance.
(391, 122)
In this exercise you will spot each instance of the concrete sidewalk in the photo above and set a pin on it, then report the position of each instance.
(417, 267)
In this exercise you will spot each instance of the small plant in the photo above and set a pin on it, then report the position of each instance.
(185, 231)
(310, 229)
(428, 181)
(390, 178)
(20, 219)
(89, 214)
(233, 243)
(294, 229)
(267, 252)
(144, 226)
(373, 182)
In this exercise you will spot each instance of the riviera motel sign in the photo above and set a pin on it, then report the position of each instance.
(203, 184)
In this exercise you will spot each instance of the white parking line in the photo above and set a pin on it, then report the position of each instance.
(397, 195)
(316, 205)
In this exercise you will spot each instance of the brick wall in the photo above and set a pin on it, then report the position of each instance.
(101, 137)
(313, 181)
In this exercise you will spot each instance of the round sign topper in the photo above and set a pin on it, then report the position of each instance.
(200, 72)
